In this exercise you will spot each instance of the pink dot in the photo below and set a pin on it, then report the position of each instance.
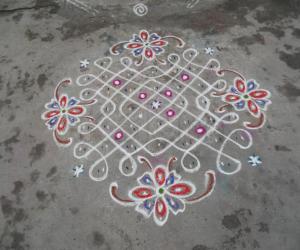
(185, 77)
(119, 135)
(170, 112)
(200, 130)
(168, 93)
(142, 96)
(117, 82)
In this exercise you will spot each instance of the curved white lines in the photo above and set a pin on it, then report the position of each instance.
(140, 9)
(143, 79)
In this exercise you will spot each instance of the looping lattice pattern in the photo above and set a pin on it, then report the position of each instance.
(159, 103)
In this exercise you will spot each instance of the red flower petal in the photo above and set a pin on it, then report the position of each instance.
(159, 43)
(253, 108)
(181, 189)
(232, 98)
(134, 45)
(161, 211)
(160, 175)
(240, 85)
(51, 114)
(144, 35)
(63, 101)
(259, 94)
(76, 110)
(149, 53)
(142, 192)
(62, 125)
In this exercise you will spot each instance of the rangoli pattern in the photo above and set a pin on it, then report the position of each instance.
(153, 98)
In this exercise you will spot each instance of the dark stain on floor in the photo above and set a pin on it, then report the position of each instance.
(37, 152)
(290, 91)
(278, 32)
(282, 148)
(201, 247)
(41, 80)
(31, 35)
(11, 140)
(291, 60)
(231, 221)
(51, 172)
(98, 239)
(245, 41)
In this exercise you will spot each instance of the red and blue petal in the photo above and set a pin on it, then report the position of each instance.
(141, 193)
(161, 211)
(157, 50)
(176, 205)
(182, 189)
(149, 54)
(159, 43)
(76, 111)
(240, 85)
(231, 98)
(50, 114)
(62, 126)
(134, 45)
(160, 176)
(144, 35)
(73, 120)
(253, 108)
(63, 101)
(259, 94)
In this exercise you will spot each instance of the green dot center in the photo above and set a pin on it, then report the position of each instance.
(161, 190)
(246, 96)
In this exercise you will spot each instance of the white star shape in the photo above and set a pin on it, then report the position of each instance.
(155, 104)
(84, 63)
(77, 170)
(209, 51)
(254, 160)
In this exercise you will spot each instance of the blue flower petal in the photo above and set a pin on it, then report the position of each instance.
(170, 180)
(251, 85)
(261, 103)
(137, 39)
(157, 50)
(240, 104)
(234, 90)
(72, 102)
(146, 180)
(54, 105)
(72, 119)
(138, 52)
(53, 121)
(154, 37)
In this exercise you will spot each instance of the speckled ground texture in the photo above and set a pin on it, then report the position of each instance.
(44, 207)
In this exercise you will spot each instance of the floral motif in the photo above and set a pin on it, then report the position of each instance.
(63, 113)
(247, 96)
(146, 45)
(161, 191)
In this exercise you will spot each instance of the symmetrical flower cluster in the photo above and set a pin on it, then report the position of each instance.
(247, 96)
(161, 191)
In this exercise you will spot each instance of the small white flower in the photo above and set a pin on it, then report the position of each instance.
(155, 104)
(209, 51)
(77, 170)
(254, 160)
(84, 64)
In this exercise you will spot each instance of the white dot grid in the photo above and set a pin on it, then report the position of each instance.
(142, 81)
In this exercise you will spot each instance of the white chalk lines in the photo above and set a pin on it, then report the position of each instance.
(128, 128)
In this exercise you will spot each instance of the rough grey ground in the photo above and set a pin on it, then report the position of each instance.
(44, 207)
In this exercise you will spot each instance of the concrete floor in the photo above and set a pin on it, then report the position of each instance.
(45, 207)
